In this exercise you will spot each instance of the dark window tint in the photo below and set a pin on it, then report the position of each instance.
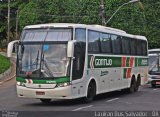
(116, 44)
(80, 35)
(125, 45)
(139, 48)
(106, 43)
(93, 42)
(144, 48)
(133, 46)
(79, 54)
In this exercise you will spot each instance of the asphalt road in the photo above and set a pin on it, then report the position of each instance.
(146, 99)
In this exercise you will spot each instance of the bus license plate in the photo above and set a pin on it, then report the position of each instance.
(40, 93)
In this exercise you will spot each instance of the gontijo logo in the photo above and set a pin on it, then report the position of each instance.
(103, 62)
(99, 62)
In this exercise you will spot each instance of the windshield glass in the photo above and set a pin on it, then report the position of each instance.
(46, 35)
(47, 58)
(154, 63)
(54, 60)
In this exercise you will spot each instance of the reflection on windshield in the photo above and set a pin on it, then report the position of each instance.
(49, 35)
(51, 60)
(154, 63)
(43, 52)
(31, 58)
(55, 60)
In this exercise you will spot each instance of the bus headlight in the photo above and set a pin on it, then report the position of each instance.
(21, 84)
(18, 83)
(63, 84)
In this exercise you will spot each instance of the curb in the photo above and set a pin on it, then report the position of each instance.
(5, 73)
(9, 74)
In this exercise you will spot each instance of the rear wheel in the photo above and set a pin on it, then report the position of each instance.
(138, 83)
(45, 101)
(91, 92)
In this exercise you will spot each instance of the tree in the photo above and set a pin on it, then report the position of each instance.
(130, 18)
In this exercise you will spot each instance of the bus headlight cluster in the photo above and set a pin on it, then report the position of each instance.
(63, 84)
(21, 84)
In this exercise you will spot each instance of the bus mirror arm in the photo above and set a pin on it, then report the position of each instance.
(10, 47)
(70, 49)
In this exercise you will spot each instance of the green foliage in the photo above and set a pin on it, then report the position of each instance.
(130, 18)
(4, 64)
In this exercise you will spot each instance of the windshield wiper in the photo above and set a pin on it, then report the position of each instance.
(42, 59)
(37, 59)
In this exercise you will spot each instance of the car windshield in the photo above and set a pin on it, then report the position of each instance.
(47, 58)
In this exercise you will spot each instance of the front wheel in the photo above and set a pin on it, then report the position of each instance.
(45, 101)
(91, 92)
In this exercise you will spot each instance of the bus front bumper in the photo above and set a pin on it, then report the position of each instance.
(56, 93)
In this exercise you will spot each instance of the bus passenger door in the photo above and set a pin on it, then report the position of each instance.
(79, 63)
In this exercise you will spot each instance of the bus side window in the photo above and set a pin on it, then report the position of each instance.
(106, 47)
(126, 50)
(133, 46)
(93, 42)
(116, 44)
(79, 54)
(139, 48)
(144, 48)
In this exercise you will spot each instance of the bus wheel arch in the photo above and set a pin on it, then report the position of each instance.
(91, 91)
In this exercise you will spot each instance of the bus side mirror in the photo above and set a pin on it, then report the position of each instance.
(70, 48)
(10, 48)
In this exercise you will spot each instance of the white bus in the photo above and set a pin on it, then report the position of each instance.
(68, 61)
(154, 67)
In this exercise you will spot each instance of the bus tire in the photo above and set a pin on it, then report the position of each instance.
(131, 89)
(45, 101)
(91, 92)
(138, 83)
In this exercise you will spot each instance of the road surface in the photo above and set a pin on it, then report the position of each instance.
(146, 99)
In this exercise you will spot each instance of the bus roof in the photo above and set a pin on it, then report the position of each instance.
(150, 55)
(91, 27)
(151, 51)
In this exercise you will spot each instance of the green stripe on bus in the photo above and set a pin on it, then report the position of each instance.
(128, 62)
(125, 73)
(19, 79)
(59, 80)
(106, 61)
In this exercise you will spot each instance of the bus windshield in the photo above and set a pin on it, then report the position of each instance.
(154, 63)
(47, 58)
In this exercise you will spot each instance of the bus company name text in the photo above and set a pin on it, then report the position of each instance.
(103, 62)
